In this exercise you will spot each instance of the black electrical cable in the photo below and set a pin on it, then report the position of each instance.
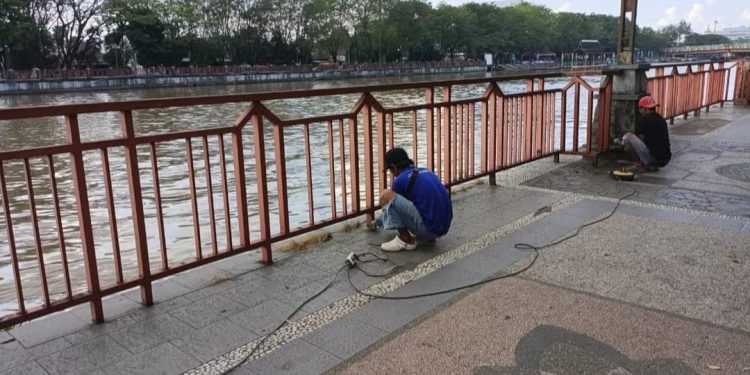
(519, 246)
(285, 321)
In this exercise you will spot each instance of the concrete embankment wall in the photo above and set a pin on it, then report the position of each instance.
(102, 83)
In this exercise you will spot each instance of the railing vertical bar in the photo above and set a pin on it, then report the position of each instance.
(563, 119)
(159, 208)
(342, 152)
(455, 150)
(136, 206)
(459, 137)
(281, 178)
(391, 130)
(84, 217)
(113, 232)
(501, 126)
(528, 120)
(262, 186)
(576, 114)
(12, 243)
(380, 139)
(589, 120)
(485, 145)
(308, 171)
(59, 226)
(414, 139)
(210, 194)
(430, 127)
(225, 192)
(439, 148)
(331, 171)
(448, 155)
(354, 162)
(472, 165)
(37, 235)
(193, 198)
(368, 151)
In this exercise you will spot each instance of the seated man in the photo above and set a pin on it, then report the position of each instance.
(649, 146)
(417, 205)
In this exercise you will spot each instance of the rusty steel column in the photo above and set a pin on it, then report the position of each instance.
(629, 81)
(84, 218)
(626, 40)
(136, 206)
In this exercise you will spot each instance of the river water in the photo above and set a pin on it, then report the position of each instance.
(174, 182)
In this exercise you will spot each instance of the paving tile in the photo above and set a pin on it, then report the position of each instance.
(297, 357)
(94, 330)
(219, 286)
(293, 276)
(162, 290)
(345, 337)
(390, 315)
(214, 340)
(13, 354)
(207, 311)
(85, 358)
(262, 318)
(164, 359)
(255, 290)
(328, 297)
(114, 306)
(48, 328)
(199, 277)
(49, 347)
(158, 308)
(149, 333)
(28, 368)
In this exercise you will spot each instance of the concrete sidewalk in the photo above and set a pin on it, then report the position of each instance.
(660, 287)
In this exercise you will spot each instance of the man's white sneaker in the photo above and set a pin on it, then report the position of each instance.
(397, 244)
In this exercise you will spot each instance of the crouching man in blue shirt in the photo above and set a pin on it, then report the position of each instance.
(417, 205)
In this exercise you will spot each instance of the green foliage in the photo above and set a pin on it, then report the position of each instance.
(217, 32)
(703, 39)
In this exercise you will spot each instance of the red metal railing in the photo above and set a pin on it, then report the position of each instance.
(684, 88)
(256, 181)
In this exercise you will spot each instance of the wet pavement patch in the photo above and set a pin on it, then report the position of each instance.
(739, 172)
(698, 127)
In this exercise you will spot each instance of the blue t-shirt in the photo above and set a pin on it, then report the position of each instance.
(429, 196)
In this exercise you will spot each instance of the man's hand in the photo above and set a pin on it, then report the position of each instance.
(387, 196)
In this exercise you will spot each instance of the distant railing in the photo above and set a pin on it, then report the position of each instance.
(235, 179)
(49, 74)
(691, 87)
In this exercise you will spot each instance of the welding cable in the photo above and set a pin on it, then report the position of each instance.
(518, 246)
(285, 321)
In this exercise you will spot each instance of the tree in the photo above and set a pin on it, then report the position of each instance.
(323, 25)
(703, 39)
(76, 26)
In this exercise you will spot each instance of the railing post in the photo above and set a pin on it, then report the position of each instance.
(493, 147)
(281, 187)
(354, 162)
(84, 217)
(136, 206)
(260, 176)
(238, 159)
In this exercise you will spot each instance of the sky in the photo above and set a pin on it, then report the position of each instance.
(701, 14)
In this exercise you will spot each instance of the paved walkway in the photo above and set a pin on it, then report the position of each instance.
(659, 287)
